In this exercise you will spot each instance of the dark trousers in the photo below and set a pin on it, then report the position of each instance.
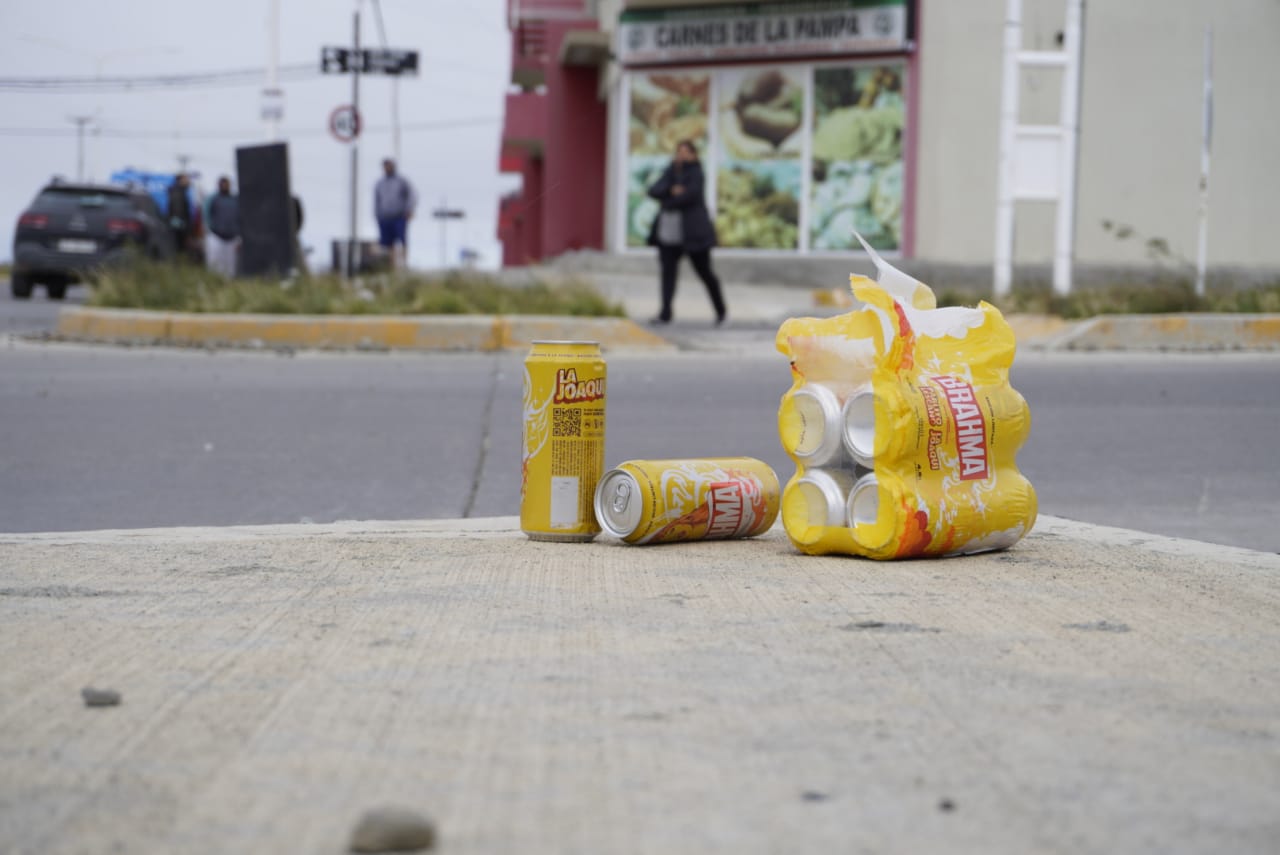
(669, 259)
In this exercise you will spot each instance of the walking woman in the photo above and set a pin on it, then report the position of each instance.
(683, 227)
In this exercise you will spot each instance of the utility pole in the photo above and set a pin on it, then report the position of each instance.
(1206, 143)
(80, 122)
(272, 96)
(355, 145)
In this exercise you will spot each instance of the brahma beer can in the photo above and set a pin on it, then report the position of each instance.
(810, 424)
(563, 440)
(660, 501)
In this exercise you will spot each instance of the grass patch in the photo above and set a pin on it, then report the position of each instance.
(1131, 299)
(188, 288)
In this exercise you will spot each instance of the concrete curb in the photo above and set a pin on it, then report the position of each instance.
(375, 332)
(1198, 332)
(1189, 332)
(481, 528)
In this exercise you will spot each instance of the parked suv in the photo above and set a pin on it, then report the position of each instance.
(71, 229)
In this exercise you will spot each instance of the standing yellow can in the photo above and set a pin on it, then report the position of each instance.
(563, 447)
(663, 501)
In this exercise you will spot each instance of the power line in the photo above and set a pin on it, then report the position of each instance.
(377, 16)
(235, 77)
(222, 133)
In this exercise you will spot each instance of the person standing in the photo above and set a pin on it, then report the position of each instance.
(394, 201)
(181, 222)
(683, 227)
(222, 214)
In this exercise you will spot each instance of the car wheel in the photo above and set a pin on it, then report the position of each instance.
(56, 290)
(20, 285)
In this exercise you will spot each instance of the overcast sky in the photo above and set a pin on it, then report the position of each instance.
(450, 113)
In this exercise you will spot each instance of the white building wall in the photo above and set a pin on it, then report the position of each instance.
(1140, 129)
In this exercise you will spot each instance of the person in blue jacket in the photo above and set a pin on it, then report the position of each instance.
(683, 227)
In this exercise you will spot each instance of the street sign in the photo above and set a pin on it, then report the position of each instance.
(389, 61)
(272, 105)
(335, 60)
(344, 123)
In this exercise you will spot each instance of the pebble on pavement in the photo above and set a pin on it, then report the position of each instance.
(100, 697)
(393, 830)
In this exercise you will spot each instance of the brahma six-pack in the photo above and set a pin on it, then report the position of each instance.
(903, 427)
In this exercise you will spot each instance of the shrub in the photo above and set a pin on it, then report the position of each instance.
(145, 284)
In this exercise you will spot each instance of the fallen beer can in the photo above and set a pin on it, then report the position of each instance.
(663, 501)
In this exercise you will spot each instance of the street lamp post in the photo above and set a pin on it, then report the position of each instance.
(444, 213)
(80, 122)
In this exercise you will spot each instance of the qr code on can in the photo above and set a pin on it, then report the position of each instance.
(566, 422)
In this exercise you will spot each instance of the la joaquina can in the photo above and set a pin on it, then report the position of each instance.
(663, 501)
(562, 455)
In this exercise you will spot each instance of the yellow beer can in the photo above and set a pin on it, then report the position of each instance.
(563, 440)
(661, 501)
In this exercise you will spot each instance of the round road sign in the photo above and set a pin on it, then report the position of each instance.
(344, 123)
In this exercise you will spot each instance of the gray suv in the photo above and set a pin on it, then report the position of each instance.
(72, 229)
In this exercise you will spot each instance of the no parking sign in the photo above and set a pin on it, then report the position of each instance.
(344, 123)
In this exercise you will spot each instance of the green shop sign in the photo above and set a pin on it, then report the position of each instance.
(714, 33)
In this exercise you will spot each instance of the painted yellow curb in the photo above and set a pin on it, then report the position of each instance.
(421, 332)
(1177, 332)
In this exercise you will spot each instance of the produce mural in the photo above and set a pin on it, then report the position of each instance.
(665, 109)
(853, 133)
(759, 170)
(857, 157)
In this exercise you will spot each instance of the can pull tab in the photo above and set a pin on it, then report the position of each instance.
(621, 497)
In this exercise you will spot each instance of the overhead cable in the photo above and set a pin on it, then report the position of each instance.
(235, 77)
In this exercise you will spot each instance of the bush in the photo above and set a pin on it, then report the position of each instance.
(181, 287)
(1165, 297)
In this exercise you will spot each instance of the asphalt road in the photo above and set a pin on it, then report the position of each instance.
(102, 437)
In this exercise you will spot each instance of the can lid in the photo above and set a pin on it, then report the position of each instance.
(864, 502)
(618, 503)
(860, 427)
(833, 486)
(815, 411)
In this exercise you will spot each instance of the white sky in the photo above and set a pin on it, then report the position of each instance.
(464, 59)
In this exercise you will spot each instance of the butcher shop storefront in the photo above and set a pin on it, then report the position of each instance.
(802, 113)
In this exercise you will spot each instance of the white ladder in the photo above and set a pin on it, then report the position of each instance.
(1038, 161)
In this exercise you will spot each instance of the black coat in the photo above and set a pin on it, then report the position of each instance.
(699, 232)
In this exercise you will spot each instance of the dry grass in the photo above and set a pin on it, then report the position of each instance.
(1125, 298)
(188, 288)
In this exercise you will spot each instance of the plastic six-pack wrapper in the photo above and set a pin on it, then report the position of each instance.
(903, 427)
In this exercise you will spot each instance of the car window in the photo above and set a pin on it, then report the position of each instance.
(146, 205)
(69, 199)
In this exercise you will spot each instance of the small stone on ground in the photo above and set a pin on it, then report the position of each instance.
(100, 697)
(393, 830)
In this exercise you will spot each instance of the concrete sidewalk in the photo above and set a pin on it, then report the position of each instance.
(1090, 690)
